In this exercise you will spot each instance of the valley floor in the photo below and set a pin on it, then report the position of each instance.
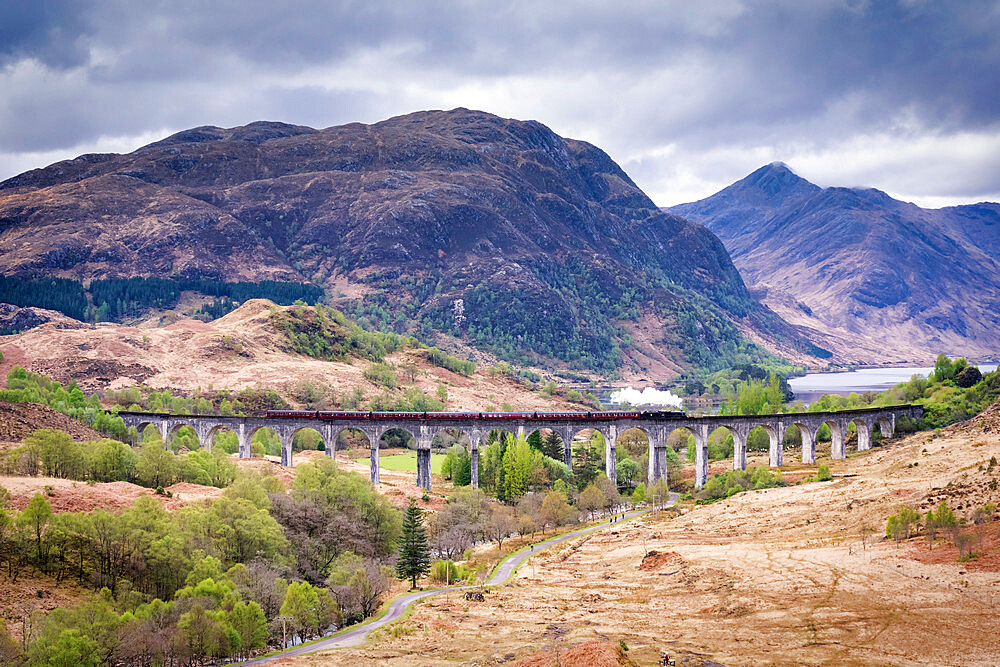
(770, 577)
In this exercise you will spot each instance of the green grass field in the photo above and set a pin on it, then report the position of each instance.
(406, 462)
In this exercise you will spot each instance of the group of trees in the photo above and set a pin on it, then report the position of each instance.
(60, 294)
(25, 387)
(509, 467)
(942, 520)
(53, 453)
(325, 333)
(446, 361)
(115, 298)
(215, 579)
(736, 481)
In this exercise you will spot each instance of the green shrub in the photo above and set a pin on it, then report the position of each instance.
(823, 474)
(446, 361)
(382, 374)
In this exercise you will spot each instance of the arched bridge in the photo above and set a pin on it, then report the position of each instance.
(656, 426)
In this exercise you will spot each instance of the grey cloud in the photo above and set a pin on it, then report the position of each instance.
(632, 76)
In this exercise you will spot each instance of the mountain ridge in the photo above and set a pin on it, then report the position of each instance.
(864, 264)
(493, 230)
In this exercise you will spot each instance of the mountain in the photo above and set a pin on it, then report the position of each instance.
(874, 277)
(493, 231)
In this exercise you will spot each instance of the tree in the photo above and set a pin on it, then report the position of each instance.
(607, 487)
(414, 554)
(112, 461)
(628, 472)
(199, 632)
(907, 518)
(156, 466)
(639, 493)
(500, 525)
(300, 605)
(520, 462)
(36, 517)
(659, 493)
(555, 510)
(945, 519)
(73, 649)
(368, 584)
(249, 623)
(552, 446)
(591, 499)
(930, 528)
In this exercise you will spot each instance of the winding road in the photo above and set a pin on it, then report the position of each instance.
(398, 606)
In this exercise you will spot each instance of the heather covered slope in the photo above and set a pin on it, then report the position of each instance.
(494, 230)
(854, 262)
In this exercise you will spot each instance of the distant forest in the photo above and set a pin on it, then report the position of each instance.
(116, 298)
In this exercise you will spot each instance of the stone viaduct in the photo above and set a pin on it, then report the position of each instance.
(657, 430)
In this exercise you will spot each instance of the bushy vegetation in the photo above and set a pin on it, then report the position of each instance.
(736, 481)
(207, 581)
(324, 333)
(448, 362)
(942, 521)
(25, 387)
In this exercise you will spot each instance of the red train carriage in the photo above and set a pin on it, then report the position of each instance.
(397, 415)
(615, 415)
(506, 415)
(562, 415)
(344, 414)
(291, 414)
(451, 415)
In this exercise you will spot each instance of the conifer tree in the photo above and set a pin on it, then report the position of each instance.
(414, 553)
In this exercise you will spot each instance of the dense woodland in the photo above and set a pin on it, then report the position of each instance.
(114, 299)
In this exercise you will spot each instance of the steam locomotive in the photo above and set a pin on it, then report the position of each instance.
(486, 416)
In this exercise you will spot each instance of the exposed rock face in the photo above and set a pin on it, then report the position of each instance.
(14, 319)
(546, 241)
(859, 262)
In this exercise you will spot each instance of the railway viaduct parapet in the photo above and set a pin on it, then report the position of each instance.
(657, 430)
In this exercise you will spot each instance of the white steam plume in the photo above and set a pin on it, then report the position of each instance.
(648, 396)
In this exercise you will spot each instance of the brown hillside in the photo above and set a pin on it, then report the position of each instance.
(242, 349)
(777, 577)
(17, 420)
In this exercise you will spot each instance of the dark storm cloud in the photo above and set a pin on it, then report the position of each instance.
(685, 95)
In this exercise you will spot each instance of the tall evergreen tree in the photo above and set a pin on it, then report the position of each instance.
(414, 553)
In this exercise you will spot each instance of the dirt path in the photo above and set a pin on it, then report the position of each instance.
(398, 607)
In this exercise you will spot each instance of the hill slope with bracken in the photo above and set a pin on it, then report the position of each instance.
(246, 348)
(493, 230)
(856, 264)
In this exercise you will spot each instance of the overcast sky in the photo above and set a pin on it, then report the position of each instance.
(686, 96)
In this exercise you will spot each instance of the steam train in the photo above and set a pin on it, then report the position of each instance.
(486, 416)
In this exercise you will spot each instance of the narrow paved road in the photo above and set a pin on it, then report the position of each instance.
(358, 635)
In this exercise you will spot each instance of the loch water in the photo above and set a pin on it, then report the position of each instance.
(810, 387)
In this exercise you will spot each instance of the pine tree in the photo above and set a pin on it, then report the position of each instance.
(414, 554)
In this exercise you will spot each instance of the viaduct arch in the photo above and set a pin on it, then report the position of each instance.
(657, 430)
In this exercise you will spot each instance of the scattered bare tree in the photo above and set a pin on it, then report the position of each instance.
(864, 532)
(964, 543)
(501, 524)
